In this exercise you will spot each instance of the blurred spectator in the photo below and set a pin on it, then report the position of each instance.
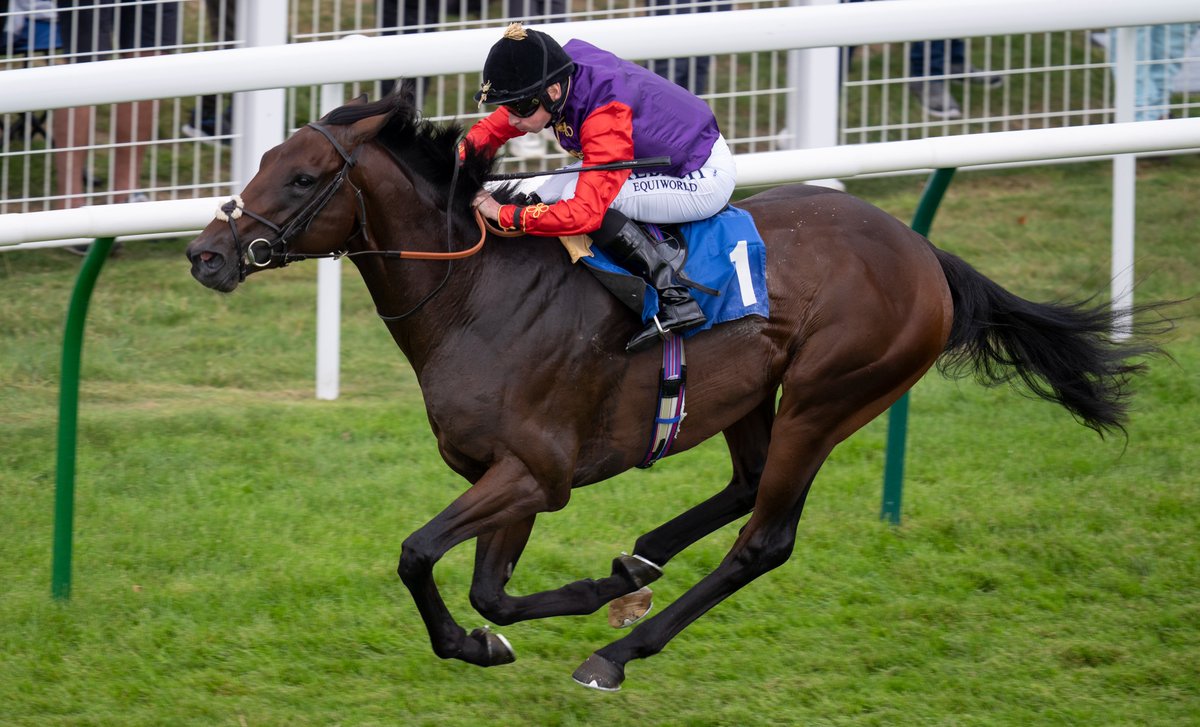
(932, 75)
(537, 11)
(101, 29)
(419, 15)
(95, 30)
(30, 28)
(213, 118)
(1160, 49)
(691, 73)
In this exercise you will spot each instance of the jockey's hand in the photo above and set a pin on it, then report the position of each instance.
(486, 204)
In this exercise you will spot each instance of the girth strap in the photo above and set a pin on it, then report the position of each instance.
(671, 390)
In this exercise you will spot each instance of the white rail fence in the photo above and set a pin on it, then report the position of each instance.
(33, 230)
(259, 74)
(764, 100)
(821, 26)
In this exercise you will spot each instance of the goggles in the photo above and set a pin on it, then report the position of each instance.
(524, 108)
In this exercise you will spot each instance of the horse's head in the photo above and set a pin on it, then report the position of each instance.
(300, 203)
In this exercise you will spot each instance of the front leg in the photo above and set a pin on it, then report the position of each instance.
(496, 556)
(497, 552)
(507, 494)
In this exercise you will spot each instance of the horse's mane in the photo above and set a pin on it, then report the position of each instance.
(426, 149)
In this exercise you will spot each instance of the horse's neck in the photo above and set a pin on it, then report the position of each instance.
(500, 294)
(398, 217)
(410, 297)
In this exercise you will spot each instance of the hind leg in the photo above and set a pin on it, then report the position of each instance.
(825, 399)
(748, 442)
(764, 543)
(497, 553)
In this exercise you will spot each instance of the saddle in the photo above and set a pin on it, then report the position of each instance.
(722, 259)
(671, 245)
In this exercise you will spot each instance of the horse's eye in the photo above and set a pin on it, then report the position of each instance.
(303, 181)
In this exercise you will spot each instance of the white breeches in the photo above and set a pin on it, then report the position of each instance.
(658, 198)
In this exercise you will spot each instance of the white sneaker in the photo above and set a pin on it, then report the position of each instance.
(935, 96)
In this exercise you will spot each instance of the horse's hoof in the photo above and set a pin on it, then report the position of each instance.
(499, 651)
(630, 608)
(637, 569)
(600, 673)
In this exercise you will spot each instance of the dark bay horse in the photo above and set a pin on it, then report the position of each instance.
(530, 393)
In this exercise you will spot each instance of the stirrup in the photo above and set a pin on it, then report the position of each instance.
(646, 337)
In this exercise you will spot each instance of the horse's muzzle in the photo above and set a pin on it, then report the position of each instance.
(213, 268)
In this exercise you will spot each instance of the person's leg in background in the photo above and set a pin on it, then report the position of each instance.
(1159, 50)
(214, 116)
(140, 30)
(70, 132)
(417, 14)
(85, 32)
(927, 68)
(690, 73)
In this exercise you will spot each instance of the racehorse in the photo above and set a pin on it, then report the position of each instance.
(530, 393)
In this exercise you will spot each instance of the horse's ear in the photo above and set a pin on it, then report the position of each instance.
(358, 100)
(364, 130)
(406, 91)
(404, 99)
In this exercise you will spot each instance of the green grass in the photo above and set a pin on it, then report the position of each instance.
(236, 540)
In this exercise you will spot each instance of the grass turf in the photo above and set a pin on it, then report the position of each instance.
(236, 539)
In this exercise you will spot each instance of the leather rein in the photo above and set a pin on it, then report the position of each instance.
(262, 252)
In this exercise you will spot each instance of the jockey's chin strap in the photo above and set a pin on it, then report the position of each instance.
(261, 252)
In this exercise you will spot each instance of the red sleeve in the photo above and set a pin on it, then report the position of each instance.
(490, 133)
(607, 136)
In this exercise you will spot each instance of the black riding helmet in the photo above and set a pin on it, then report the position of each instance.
(519, 68)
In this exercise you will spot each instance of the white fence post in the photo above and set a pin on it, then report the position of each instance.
(258, 116)
(813, 102)
(1124, 187)
(329, 292)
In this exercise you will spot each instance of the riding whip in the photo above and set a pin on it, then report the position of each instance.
(646, 163)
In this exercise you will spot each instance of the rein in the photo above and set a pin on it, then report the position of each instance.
(261, 252)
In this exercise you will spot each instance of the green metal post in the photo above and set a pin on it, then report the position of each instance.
(897, 437)
(68, 416)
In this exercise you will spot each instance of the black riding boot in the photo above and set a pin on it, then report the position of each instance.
(629, 247)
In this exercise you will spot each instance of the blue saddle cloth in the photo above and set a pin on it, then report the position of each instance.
(724, 253)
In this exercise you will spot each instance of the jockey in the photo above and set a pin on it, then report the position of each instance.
(604, 109)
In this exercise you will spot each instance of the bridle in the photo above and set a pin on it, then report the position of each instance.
(261, 252)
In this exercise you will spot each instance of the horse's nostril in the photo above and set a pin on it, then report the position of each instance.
(207, 259)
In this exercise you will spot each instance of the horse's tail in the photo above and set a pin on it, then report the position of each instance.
(1062, 352)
